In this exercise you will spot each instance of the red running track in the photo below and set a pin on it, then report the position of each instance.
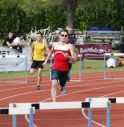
(93, 85)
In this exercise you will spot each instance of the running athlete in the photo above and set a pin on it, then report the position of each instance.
(39, 51)
(63, 52)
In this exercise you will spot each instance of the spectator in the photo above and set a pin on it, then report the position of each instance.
(71, 35)
(20, 41)
(75, 50)
(9, 40)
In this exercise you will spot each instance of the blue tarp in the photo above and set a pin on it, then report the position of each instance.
(100, 29)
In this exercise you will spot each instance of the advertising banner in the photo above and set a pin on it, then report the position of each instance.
(93, 51)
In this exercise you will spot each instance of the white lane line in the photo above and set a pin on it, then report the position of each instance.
(49, 88)
(48, 80)
(62, 95)
(22, 94)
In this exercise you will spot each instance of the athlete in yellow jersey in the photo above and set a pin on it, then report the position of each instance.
(39, 51)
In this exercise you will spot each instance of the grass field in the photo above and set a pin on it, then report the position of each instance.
(87, 66)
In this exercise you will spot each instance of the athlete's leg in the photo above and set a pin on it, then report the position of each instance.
(32, 70)
(33, 67)
(39, 78)
(54, 76)
(53, 90)
(70, 66)
(62, 80)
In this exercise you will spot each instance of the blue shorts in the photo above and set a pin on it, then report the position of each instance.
(61, 76)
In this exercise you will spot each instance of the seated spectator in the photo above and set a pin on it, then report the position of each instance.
(15, 43)
(121, 50)
(72, 37)
(120, 61)
(111, 63)
(115, 62)
(20, 41)
(9, 40)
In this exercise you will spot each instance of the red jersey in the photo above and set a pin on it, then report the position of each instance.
(60, 62)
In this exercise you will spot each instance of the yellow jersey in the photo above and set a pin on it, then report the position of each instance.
(39, 51)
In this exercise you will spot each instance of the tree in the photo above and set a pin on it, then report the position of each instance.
(71, 6)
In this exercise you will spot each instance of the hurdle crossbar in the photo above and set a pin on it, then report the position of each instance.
(4, 110)
(114, 54)
(14, 111)
(12, 56)
(63, 105)
(118, 100)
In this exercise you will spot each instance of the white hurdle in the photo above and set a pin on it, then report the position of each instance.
(90, 103)
(117, 100)
(69, 105)
(99, 103)
(21, 110)
(15, 66)
(12, 56)
(80, 66)
(60, 105)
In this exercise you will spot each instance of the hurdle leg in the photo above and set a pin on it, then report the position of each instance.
(13, 120)
(31, 118)
(89, 117)
(108, 115)
(26, 74)
(80, 68)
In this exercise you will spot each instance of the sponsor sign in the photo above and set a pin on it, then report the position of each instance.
(93, 51)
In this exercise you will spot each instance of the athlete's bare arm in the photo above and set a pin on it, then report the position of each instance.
(46, 49)
(72, 56)
(49, 54)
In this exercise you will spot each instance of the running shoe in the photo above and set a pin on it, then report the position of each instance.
(63, 90)
(37, 87)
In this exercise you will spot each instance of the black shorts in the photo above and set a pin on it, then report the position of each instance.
(37, 64)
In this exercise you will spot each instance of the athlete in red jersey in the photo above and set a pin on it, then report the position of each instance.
(63, 52)
(60, 61)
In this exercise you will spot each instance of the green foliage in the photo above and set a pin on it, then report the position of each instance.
(12, 18)
(22, 15)
(106, 13)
